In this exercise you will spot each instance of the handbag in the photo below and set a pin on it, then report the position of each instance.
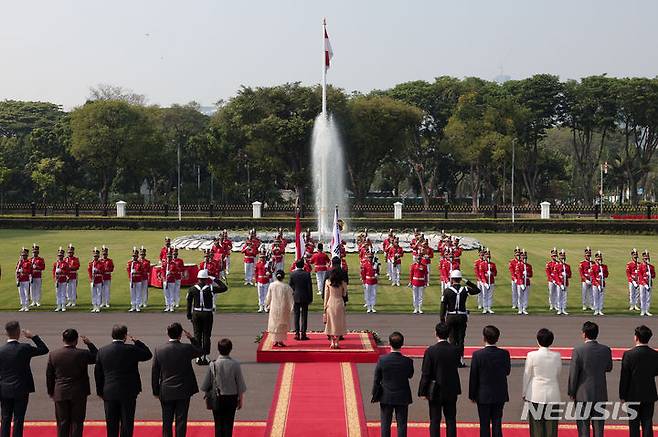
(212, 396)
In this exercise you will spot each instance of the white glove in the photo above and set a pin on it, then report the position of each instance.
(133, 271)
(562, 287)
(522, 287)
(588, 282)
(20, 270)
(58, 271)
(634, 284)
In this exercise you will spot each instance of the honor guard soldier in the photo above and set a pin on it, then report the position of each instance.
(476, 271)
(388, 242)
(395, 254)
(523, 275)
(23, 272)
(278, 252)
(487, 276)
(95, 272)
(308, 241)
(512, 273)
(585, 271)
(417, 282)
(180, 264)
(599, 277)
(647, 274)
(108, 269)
(446, 266)
(72, 284)
(426, 258)
(370, 275)
(199, 310)
(632, 275)
(561, 277)
(210, 264)
(263, 278)
(145, 265)
(250, 252)
(457, 252)
(321, 263)
(167, 273)
(164, 252)
(134, 270)
(38, 266)
(453, 309)
(552, 286)
(61, 277)
(227, 244)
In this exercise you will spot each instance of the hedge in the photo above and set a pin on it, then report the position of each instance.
(378, 224)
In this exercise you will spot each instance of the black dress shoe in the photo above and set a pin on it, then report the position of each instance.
(296, 336)
(304, 337)
(341, 338)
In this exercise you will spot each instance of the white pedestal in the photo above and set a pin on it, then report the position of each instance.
(397, 211)
(257, 209)
(121, 208)
(545, 210)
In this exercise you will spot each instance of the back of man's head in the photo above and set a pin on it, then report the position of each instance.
(335, 262)
(320, 247)
(491, 334)
(442, 331)
(299, 263)
(643, 334)
(396, 340)
(175, 331)
(225, 346)
(13, 329)
(119, 332)
(70, 336)
(590, 330)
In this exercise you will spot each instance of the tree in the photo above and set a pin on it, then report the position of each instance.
(18, 119)
(114, 92)
(379, 126)
(46, 175)
(110, 136)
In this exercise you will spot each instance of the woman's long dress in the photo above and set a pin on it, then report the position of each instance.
(280, 301)
(334, 308)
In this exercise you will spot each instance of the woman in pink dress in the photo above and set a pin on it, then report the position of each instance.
(335, 290)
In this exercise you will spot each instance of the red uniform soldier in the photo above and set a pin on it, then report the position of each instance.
(263, 277)
(321, 262)
(476, 271)
(585, 271)
(60, 277)
(134, 270)
(370, 274)
(487, 275)
(512, 272)
(95, 271)
(646, 276)
(561, 275)
(632, 270)
(72, 284)
(523, 275)
(145, 265)
(165, 249)
(599, 274)
(108, 269)
(250, 252)
(417, 282)
(168, 273)
(552, 287)
(23, 272)
(38, 266)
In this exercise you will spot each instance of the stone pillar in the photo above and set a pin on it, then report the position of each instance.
(545, 210)
(121, 208)
(397, 211)
(257, 209)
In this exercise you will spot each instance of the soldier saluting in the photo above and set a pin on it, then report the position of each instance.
(453, 309)
(200, 308)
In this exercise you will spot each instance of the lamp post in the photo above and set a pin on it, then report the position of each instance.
(513, 153)
(180, 216)
(604, 169)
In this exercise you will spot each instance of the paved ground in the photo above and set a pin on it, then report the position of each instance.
(261, 378)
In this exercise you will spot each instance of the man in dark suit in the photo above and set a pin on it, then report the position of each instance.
(16, 382)
(439, 383)
(391, 386)
(67, 381)
(490, 367)
(637, 383)
(590, 362)
(117, 380)
(302, 291)
(173, 380)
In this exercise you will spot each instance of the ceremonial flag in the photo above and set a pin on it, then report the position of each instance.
(335, 238)
(328, 53)
(298, 238)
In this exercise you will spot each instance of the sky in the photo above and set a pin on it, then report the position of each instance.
(176, 51)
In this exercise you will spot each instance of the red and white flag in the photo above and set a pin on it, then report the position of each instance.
(328, 53)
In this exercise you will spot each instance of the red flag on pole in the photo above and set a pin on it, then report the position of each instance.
(298, 238)
(328, 53)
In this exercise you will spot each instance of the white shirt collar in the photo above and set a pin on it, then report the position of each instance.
(118, 341)
(174, 340)
(12, 340)
(490, 345)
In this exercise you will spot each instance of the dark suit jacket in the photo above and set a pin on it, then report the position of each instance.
(393, 372)
(172, 376)
(440, 364)
(16, 379)
(302, 287)
(66, 375)
(639, 368)
(490, 367)
(589, 363)
(117, 372)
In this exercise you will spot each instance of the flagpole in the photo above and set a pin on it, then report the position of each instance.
(324, 68)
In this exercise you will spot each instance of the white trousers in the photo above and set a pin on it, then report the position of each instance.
(177, 292)
(524, 294)
(96, 294)
(586, 294)
(249, 273)
(645, 298)
(145, 292)
(136, 294)
(552, 295)
(418, 296)
(487, 295)
(370, 295)
(562, 298)
(262, 293)
(515, 295)
(23, 291)
(228, 264)
(633, 294)
(480, 295)
(35, 290)
(72, 291)
(168, 292)
(60, 294)
(106, 292)
(395, 276)
(319, 280)
(428, 274)
(389, 268)
(598, 297)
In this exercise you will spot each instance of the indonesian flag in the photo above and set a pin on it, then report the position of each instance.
(299, 238)
(328, 53)
(335, 238)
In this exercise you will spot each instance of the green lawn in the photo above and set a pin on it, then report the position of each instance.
(390, 299)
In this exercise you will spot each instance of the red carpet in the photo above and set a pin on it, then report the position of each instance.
(358, 347)
(318, 399)
(148, 429)
(516, 352)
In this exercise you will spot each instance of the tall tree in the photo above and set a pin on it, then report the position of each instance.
(18, 119)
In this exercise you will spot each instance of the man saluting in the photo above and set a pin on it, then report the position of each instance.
(199, 310)
(453, 309)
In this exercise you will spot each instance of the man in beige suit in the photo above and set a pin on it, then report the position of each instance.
(540, 384)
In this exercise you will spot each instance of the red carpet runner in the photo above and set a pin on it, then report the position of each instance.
(147, 429)
(357, 347)
(319, 399)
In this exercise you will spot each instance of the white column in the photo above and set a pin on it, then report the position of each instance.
(257, 208)
(397, 211)
(545, 210)
(121, 208)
